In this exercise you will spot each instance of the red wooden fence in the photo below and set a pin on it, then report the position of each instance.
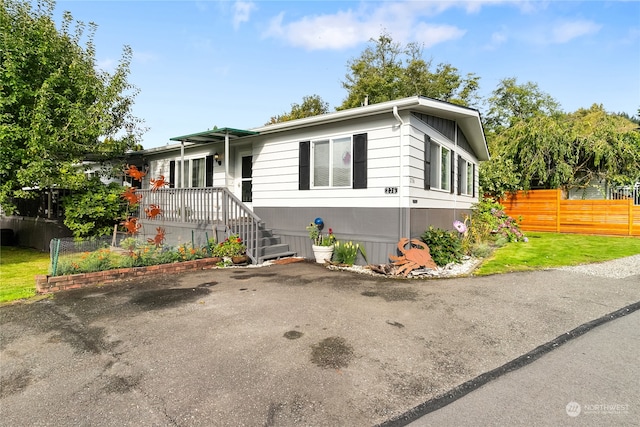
(546, 210)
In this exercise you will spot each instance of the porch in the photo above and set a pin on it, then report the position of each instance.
(215, 209)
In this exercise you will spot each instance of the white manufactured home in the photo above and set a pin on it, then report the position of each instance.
(374, 174)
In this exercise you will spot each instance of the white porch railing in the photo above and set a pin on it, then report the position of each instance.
(212, 205)
(625, 192)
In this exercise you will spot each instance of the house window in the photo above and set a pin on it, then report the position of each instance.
(194, 171)
(197, 172)
(440, 167)
(468, 184)
(332, 162)
(445, 169)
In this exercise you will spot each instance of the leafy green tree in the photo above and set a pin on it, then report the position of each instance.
(511, 102)
(56, 108)
(534, 145)
(499, 176)
(386, 71)
(94, 212)
(311, 106)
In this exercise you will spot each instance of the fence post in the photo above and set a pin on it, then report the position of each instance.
(558, 198)
(55, 249)
(630, 217)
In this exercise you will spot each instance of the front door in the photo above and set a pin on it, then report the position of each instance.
(246, 184)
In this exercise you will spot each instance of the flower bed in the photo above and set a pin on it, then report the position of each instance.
(47, 284)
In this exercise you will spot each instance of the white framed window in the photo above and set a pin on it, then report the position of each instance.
(440, 167)
(331, 161)
(197, 172)
(194, 171)
(467, 178)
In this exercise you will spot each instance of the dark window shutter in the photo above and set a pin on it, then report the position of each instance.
(473, 181)
(360, 160)
(461, 164)
(172, 174)
(208, 171)
(453, 171)
(427, 162)
(304, 167)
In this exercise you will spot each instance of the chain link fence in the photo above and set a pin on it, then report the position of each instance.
(69, 255)
(65, 248)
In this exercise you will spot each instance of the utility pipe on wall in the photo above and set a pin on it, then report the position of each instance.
(402, 226)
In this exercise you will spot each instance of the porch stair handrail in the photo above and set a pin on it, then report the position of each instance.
(241, 220)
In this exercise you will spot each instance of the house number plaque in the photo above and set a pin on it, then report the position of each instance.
(391, 190)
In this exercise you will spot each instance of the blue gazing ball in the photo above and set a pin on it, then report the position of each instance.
(319, 223)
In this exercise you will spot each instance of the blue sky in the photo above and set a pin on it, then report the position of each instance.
(200, 64)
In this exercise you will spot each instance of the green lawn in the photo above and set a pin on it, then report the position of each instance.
(548, 250)
(18, 268)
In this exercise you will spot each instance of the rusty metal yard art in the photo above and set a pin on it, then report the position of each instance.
(132, 225)
(159, 237)
(153, 211)
(131, 196)
(134, 173)
(158, 183)
(417, 256)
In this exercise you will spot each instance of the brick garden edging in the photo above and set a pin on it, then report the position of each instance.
(47, 284)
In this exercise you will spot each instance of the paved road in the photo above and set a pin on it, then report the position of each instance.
(292, 345)
(593, 380)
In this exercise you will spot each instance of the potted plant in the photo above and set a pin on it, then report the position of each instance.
(322, 244)
(232, 249)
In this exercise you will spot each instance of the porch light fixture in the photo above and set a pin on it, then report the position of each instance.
(216, 157)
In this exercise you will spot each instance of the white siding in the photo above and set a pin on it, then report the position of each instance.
(420, 198)
(276, 162)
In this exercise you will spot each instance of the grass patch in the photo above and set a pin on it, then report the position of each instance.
(18, 268)
(548, 250)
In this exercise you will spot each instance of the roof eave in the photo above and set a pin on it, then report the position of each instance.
(468, 118)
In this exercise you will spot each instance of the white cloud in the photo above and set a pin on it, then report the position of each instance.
(433, 34)
(498, 38)
(241, 12)
(406, 21)
(337, 31)
(567, 31)
(348, 28)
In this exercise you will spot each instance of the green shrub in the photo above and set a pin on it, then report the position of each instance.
(445, 246)
(481, 250)
(489, 223)
(94, 212)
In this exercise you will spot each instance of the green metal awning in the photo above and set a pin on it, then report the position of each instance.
(215, 135)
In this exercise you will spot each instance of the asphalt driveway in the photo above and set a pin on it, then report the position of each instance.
(283, 345)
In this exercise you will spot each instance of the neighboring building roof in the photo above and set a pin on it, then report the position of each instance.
(467, 118)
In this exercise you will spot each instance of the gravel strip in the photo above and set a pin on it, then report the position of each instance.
(615, 269)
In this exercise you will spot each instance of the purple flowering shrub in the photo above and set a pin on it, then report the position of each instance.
(489, 221)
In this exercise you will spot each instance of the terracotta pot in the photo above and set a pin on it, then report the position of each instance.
(240, 259)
